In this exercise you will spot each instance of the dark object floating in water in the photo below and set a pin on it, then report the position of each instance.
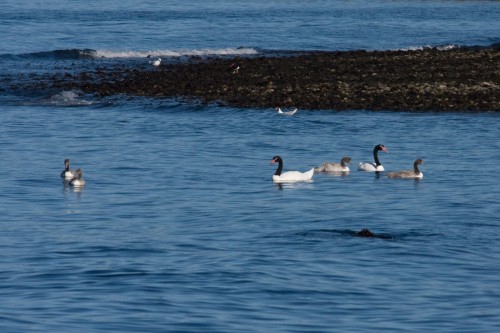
(346, 233)
(368, 234)
(365, 233)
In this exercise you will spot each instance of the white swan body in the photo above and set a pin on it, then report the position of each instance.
(293, 176)
(289, 176)
(78, 181)
(288, 113)
(373, 167)
(409, 174)
(67, 174)
(370, 167)
(335, 167)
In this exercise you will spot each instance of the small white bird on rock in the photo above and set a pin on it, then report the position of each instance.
(156, 62)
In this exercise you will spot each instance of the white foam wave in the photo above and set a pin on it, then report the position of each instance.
(171, 53)
(68, 98)
(426, 47)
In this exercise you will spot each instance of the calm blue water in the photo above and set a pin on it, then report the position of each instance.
(180, 228)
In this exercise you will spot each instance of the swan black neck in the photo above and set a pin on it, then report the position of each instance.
(280, 165)
(375, 155)
(415, 166)
(66, 165)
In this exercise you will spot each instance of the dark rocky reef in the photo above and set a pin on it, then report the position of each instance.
(365, 233)
(460, 79)
(368, 234)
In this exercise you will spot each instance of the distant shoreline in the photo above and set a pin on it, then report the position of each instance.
(459, 79)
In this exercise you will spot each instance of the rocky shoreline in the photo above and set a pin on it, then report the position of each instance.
(460, 79)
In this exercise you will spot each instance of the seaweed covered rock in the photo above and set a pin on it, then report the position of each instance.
(460, 79)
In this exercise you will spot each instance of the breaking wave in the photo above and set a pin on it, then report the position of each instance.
(69, 54)
(68, 98)
(173, 53)
(75, 54)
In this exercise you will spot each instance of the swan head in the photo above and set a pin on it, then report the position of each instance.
(276, 159)
(382, 148)
(66, 164)
(346, 160)
(78, 173)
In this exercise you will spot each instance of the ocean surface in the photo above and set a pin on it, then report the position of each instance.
(180, 227)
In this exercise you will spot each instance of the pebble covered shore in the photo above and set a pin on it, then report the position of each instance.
(460, 79)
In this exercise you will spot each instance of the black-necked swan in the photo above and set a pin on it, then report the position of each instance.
(78, 181)
(372, 167)
(288, 113)
(67, 174)
(289, 176)
(409, 174)
(335, 167)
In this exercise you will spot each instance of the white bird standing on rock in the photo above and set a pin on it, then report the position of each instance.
(288, 113)
(156, 62)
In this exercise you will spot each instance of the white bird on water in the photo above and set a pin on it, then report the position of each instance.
(156, 62)
(288, 113)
